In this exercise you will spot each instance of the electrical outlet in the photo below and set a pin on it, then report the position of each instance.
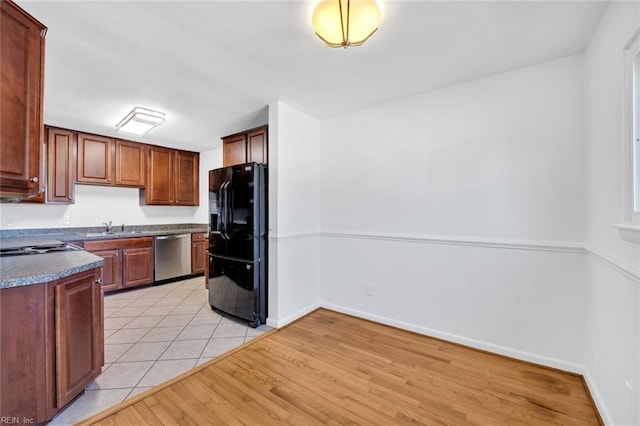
(66, 220)
(370, 289)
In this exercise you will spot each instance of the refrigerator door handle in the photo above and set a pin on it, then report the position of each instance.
(229, 206)
(220, 210)
(223, 210)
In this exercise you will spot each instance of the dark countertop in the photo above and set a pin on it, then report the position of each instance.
(18, 271)
(97, 232)
(39, 268)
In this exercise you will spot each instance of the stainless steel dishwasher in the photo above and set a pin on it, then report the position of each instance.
(172, 256)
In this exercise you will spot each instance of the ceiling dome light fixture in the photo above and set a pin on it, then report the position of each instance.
(344, 23)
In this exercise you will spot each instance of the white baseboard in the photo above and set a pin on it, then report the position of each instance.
(279, 323)
(597, 398)
(478, 344)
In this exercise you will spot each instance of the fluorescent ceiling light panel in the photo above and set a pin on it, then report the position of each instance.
(140, 121)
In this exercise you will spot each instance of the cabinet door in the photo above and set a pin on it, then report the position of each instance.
(186, 178)
(234, 150)
(61, 160)
(198, 256)
(78, 338)
(257, 146)
(159, 189)
(111, 270)
(130, 163)
(21, 125)
(137, 266)
(23, 353)
(94, 159)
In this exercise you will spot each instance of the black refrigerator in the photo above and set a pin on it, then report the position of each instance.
(237, 241)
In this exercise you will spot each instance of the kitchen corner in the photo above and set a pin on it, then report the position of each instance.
(51, 310)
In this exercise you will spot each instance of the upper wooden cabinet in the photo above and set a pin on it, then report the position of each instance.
(130, 163)
(186, 178)
(106, 161)
(159, 176)
(21, 125)
(95, 159)
(246, 147)
(234, 150)
(257, 146)
(172, 177)
(61, 160)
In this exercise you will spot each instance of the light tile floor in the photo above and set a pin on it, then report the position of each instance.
(154, 334)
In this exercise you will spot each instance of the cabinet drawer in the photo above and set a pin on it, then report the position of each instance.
(118, 243)
(198, 236)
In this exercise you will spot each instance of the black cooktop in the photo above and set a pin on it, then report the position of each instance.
(37, 249)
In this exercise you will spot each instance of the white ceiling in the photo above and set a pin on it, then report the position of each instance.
(214, 66)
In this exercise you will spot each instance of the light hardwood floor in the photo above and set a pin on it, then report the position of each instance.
(330, 368)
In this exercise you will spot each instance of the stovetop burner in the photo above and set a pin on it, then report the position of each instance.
(34, 249)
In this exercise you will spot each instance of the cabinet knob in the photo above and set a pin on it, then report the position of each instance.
(99, 281)
(34, 179)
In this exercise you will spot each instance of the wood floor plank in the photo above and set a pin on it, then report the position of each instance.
(333, 369)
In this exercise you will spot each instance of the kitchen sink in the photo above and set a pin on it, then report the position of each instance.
(102, 234)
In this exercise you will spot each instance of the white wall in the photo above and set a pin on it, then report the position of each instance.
(499, 157)
(613, 317)
(294, 273)
(464, 207)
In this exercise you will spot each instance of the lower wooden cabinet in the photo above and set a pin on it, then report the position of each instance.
(128, 262)
(199, 252)
(79, 338)
(137, 266)
(51, 344)
(111, 270)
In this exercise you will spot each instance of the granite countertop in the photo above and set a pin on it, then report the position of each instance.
(30, 269)
(97, 233)
(39, 268)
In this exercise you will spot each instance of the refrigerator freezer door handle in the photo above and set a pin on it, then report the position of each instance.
(234, 259)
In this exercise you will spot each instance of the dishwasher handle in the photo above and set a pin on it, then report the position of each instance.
(173, 237)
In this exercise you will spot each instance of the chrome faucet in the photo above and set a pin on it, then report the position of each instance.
(108, 225)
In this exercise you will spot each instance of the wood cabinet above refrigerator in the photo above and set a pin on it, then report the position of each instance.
(250, 146)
